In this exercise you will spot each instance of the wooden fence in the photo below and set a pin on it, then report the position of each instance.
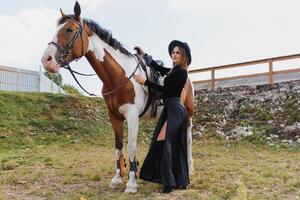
(268, 61)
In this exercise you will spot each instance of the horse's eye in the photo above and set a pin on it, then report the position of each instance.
(69, 30)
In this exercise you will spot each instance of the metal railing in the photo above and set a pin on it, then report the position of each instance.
(15, 79)
(270, 73)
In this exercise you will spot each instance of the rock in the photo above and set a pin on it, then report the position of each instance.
(197, 135)
(284, 141)
(273, 136)
(296, 87)
(240, 111)
(287, 141)
(238, 132)
(220, 133)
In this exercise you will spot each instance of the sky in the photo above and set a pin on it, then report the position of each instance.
(218, 31)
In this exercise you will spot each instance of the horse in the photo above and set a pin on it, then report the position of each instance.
(114, 65)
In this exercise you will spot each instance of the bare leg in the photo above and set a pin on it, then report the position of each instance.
(162, 133)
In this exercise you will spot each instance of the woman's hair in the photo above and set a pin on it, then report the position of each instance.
(184, 59)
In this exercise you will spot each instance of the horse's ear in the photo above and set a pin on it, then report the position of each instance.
(62, 13)
(77, 10)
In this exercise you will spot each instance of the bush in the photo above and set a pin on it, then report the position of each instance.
(70, 89)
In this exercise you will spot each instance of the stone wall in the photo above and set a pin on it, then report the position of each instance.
(266, 113)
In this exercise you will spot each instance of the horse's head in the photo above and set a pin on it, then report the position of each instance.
(70, 41)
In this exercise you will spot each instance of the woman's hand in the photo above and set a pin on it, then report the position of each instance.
(139, 50)
(139, 79)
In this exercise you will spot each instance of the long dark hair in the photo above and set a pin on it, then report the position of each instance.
(184, 59)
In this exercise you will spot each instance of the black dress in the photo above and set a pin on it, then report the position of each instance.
(166, 161)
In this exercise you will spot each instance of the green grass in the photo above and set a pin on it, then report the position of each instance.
(223, 171)
(57, 147)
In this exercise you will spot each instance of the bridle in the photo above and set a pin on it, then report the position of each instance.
(66, 51)
(65, 63)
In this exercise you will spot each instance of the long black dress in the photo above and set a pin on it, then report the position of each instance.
(166, 161)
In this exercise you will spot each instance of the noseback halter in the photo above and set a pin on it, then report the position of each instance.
(66, 51)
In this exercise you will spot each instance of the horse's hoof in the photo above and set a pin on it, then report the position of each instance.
(115, 183)
(131, 188)
(191, 170)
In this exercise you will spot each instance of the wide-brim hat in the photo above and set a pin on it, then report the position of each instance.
(184, 45)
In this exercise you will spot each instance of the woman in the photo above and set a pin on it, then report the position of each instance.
(166, 161)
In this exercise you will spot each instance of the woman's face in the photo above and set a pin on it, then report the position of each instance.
(176, 55)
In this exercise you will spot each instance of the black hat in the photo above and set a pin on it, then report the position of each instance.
(184, 45)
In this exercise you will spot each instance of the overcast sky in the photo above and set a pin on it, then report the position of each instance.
(218, 31)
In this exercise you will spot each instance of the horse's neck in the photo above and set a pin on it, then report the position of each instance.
(110, 65)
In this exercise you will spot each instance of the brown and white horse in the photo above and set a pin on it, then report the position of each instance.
(114, 65)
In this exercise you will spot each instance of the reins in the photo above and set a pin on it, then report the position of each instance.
(63, 61)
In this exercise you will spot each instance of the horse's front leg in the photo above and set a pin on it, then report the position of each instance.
(117, 125)
(132, 118)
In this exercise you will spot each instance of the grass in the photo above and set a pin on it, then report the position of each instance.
(47, 151)
(63, 170)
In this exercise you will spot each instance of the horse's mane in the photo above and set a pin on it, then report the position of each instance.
(104, 34)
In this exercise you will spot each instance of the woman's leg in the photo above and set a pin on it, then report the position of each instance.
(173, 125)
(162, 133)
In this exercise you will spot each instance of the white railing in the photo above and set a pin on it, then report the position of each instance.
(14, 79)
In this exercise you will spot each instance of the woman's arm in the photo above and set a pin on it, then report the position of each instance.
(155, 86)
(151, 62)
(155, 65)
(140, 79)
(175, 82)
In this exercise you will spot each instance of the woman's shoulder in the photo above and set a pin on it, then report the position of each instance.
(178, 74)
(180, 70)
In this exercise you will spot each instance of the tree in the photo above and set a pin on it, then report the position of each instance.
(70, 89)
(56, 77)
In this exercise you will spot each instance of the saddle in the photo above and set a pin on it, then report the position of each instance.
(155, 96)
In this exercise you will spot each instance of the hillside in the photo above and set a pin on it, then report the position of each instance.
(262, 114)
(28, 118)
(62, 147)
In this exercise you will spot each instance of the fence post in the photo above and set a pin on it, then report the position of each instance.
(213, 79)
(271, 77)
(39, 79)
(18, 79)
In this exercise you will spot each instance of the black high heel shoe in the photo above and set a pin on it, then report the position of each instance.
(167, 189)
(180, 187)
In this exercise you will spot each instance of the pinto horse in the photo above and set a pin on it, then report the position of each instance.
(114, 65)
